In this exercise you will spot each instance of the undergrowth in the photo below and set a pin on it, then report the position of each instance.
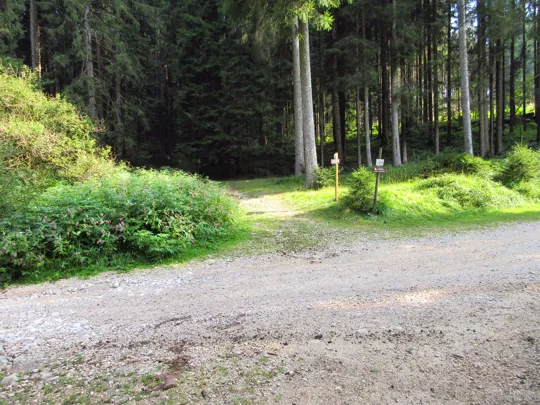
(470, 192)
(44, 141)
(443, 163)
(445, 191)
(144, 215)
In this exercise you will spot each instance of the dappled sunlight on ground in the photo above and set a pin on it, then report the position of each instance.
(416, 298)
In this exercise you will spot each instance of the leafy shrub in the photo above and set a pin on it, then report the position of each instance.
(144, 214)
(43, 142)
(47, 134)
(529, 189)
(12, 187)
(460, 163)
(470, 191)
(521, 165)
(414, 170)
(467, 164)
(440, 164)
(325, 177)
(361, 191)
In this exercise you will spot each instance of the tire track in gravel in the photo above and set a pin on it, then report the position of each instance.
(449, 318)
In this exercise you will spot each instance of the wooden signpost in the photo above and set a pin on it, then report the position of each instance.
(335, 161)
(378, 168)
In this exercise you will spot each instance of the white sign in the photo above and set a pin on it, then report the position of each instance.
(379, 162)
(334, 161)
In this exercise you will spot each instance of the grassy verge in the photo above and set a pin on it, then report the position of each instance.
(403, 205)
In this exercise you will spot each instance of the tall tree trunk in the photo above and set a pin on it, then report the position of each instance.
(120, 136)
(435, 80)
(504, 90)
(89, 63)
(408, 121)
(449, 79)
(367, 123)
(367, 127)
(358, 128)
(464, 69)
(492, 59)
(482, 109)
(524, 67)
(537, 71)
(317, 108)
(321, 125)
(512, 78)
(358, 105)
(429, 70)
(385, 91)
(396, 150)
(500, 99)
(512, 85)
(310, 150)
(336, 118)
(342, 107)
(418, 79)
(322, 112)
(298, 117)
(35, 54)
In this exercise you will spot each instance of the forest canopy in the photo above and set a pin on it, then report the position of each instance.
(207, 85)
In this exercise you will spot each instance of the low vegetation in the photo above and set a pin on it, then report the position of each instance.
(140, 214)
(450, 183)
(361, 190)
(445, 190)
(67, 206)
(44, 141)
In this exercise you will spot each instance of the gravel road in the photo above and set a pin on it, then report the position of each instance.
(451, 318)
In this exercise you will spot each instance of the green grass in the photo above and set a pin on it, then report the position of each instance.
(266, 186)
(406, 206)
(403, 205)
(303, 219)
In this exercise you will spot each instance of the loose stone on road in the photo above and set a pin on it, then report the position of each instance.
(449, 318)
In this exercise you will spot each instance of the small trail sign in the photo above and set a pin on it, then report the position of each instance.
(378, 168)
(334, 161)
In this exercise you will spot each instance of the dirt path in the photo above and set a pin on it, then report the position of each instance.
(442, 319)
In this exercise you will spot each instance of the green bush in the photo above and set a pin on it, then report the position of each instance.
(530, 189)
(467, 164)
(144, 214)
(43, 142)
(361, 191)
(325, 177)
(47, 134)
(410, 171)
(437, 165)
(470, 191)
(521, 165)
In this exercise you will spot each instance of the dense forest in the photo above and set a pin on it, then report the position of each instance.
(214, 86)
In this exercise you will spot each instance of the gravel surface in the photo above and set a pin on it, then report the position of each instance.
(450, 318)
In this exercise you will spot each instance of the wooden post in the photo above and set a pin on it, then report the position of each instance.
(377, 182)
(336, 157)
